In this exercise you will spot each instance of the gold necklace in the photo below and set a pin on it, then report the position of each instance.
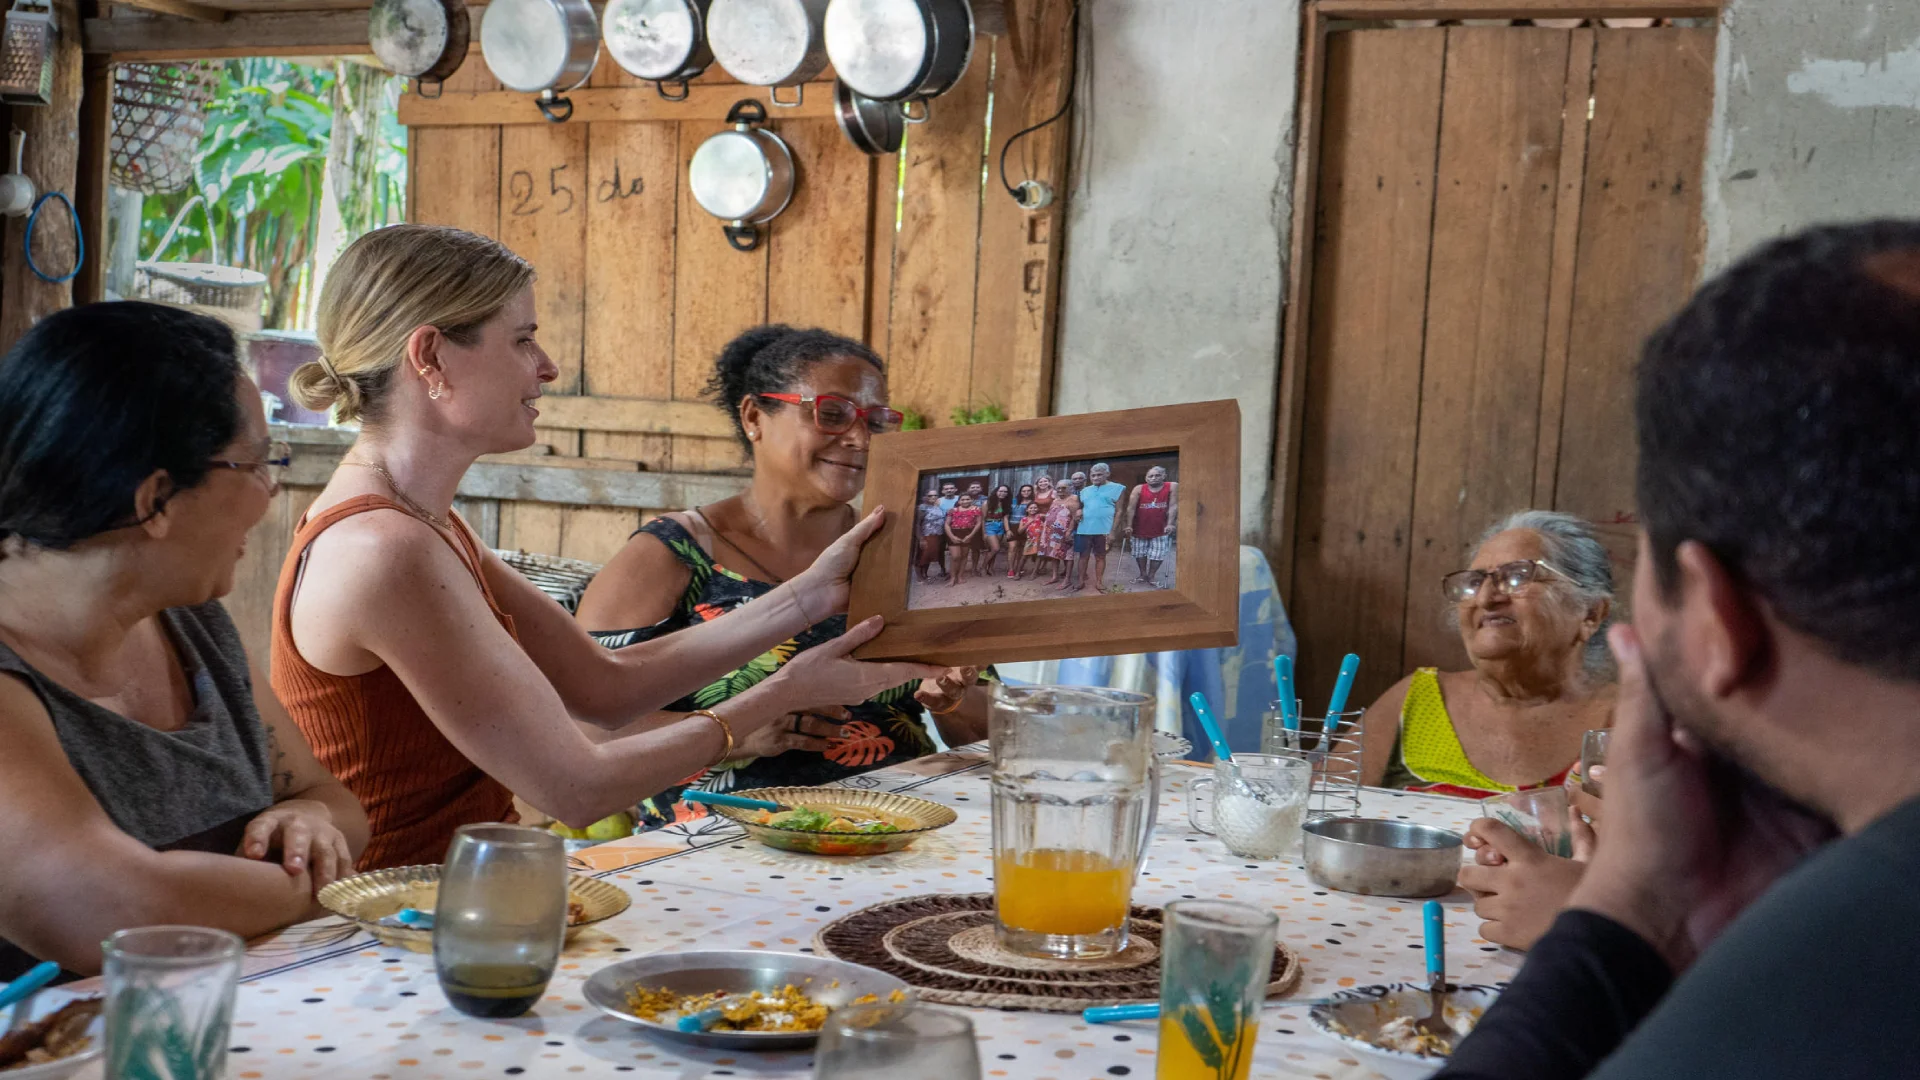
(405, 498)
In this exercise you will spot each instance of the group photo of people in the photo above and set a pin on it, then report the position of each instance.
(1045, 531)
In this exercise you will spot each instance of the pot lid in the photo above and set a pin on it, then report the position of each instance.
(408, 36)
(879, 47)
(525, 43)
(873, 127)
(730, 175)
(760, 42)
(652, 39)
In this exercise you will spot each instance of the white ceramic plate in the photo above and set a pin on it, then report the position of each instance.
(46, 1002)
(1363, 1010)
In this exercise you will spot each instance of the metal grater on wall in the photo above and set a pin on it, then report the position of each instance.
(26, 54)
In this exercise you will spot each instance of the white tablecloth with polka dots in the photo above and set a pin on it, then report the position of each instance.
(316, 1004)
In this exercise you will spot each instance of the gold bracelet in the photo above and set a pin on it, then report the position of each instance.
(725, 729)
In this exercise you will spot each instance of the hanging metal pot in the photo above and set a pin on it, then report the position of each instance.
(771, 43)
(900, 50)
(744, 176)
(424, 40)
(544, 47)
(873, 127)
(662, 40)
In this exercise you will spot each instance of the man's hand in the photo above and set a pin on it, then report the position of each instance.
(945, 693)
(302, 830)
(1519, 889)
(1691, 840)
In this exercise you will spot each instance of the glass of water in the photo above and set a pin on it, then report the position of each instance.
(1255, 803)
(895, 1042)
(1542, 815)
(169, 993)
(1593, 753)
(501, 918)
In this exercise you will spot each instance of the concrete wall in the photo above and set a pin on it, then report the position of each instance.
(1178, 220)
(1817, 118)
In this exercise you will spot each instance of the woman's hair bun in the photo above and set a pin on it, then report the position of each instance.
(314, 386)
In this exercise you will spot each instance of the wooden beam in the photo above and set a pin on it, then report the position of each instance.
(90, 179)
(636, 416)
(559, 481)
(291, 33)
(705, 102)
(1515, 9)
(185, 9)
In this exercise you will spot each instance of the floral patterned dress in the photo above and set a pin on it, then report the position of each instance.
(884, 729)
(1057, 541)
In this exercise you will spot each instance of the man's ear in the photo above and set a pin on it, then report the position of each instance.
(1729, 642)
(150, 503)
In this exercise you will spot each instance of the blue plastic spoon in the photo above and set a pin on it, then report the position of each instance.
(1212, 727)
(699, 1021)
(715, 798)
(29, 984)
(1289, 698)
(1342, 687)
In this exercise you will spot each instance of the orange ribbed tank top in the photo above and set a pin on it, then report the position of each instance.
(370, 732)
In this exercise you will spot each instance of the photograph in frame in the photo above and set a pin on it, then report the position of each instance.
(1146, 560)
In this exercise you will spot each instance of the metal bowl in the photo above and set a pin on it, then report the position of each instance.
(833, 983)
(924, 816)
(1353, 1017)
(367, 898)
(1381, 858)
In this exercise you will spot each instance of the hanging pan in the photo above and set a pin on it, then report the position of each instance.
(662, 40)
(544, 47)
(744, 176)
(873, 127)
(900, 50)
(424, 40)
(771, 43)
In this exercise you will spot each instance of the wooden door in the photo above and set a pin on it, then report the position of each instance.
(1502, 215)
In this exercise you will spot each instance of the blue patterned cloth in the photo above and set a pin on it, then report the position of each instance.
(1237, 680)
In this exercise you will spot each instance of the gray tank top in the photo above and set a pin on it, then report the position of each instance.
(192, 789)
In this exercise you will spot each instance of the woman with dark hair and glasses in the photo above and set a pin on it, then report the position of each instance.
(148, 774)
(805, 404)
(1532, 608)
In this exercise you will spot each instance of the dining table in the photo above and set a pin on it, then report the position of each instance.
(323, 999)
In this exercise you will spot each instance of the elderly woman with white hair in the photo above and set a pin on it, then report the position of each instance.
(1532, 608)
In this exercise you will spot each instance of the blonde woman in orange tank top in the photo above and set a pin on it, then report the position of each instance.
(432, 678)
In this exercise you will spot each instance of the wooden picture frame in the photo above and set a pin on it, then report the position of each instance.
(1200, 610)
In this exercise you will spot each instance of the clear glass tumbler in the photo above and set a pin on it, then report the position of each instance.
(169, 1007)
(895, 1042)
(1073, 808)
(1255, 803)
(1542, 815)
(501, 918)
(1593, 752)
(1215, 960)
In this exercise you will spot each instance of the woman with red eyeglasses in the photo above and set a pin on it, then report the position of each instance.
(805, 404)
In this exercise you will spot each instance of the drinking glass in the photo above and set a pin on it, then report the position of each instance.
(1073, 807)
(169, 993)
(1215, 960)
(1593, 751)
(1542, 815)
(895, 1042)
(1258, 802)
(501, 918)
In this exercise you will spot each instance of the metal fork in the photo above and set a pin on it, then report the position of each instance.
(1435, 1022)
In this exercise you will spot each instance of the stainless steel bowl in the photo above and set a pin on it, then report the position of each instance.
(1382, 858)
(832, 983)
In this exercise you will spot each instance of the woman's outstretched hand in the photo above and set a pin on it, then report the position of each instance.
(822, 588)
(825, 676)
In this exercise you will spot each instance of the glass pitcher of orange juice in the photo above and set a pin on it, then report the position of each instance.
(1073, 805)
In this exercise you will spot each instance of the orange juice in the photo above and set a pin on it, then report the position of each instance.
(1181, 1059)
(1055, 891)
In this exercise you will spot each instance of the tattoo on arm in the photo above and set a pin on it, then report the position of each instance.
(282, 776)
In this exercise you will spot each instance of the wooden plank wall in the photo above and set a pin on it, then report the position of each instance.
(1487, 262)
(639, 290)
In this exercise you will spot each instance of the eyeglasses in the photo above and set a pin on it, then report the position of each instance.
(1463, 585)
(279, 457)
(835, 415)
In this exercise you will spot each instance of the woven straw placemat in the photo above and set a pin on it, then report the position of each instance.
(944, 945)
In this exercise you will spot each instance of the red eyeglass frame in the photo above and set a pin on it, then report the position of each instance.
(859, 413)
